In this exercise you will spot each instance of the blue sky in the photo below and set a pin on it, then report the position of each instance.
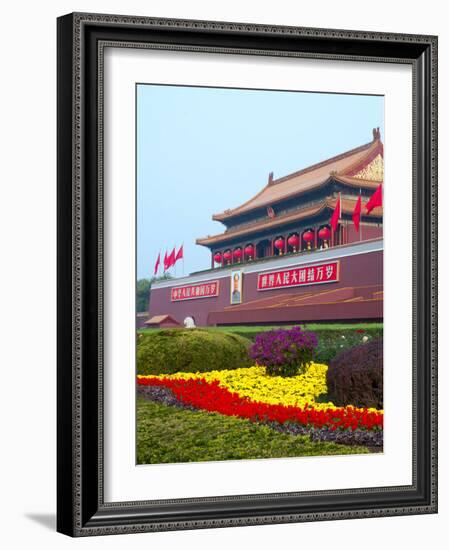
(203, 150)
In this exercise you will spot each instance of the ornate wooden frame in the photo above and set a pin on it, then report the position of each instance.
(81, 507)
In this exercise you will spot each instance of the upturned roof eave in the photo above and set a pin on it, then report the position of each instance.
(305, 213)
(349, 181)
(373, 146)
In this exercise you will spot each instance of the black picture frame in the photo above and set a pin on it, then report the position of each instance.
(81, 510)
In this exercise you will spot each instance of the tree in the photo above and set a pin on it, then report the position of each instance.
(143, 290)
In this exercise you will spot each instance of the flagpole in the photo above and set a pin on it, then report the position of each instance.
(339, 216)
(361, 210)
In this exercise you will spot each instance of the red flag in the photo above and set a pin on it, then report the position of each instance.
(157, 264)
(171, 258)
(336, 215)
(357, 212)
(166, 266)
(180, 253)
(375, 199)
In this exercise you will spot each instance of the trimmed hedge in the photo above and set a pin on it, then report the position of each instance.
(331, 341)
(190, 350)
(332, 337)
(355, 376)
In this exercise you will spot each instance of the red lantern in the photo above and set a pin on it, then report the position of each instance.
(279, 243)
(324, 233)
(249, 250)
(217, 258)
(293, 241)
(308, 236)
(237, 253)
(227, 255)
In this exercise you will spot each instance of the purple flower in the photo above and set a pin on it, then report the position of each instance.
(284, 351)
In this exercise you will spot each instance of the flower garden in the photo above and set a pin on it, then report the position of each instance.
(278, 404)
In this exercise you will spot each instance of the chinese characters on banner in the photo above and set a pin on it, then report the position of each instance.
(192, 292)
(299, 276)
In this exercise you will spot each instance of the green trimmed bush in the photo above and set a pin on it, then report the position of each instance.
(190, 350)
(355, 376)
(331, 341)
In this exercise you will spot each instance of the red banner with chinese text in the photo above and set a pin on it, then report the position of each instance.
(299, 276)
(192, 292)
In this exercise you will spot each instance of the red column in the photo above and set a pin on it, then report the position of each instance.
(315, 242)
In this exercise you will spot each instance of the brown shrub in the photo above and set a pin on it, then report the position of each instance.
(355, 376)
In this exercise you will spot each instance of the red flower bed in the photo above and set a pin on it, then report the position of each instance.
(210, 396)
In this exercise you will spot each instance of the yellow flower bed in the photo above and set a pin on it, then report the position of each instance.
(255, 384)
(276, 390)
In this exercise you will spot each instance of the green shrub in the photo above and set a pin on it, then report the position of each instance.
(333, 342)
(190, 350)
(355, 376)
(332, 338)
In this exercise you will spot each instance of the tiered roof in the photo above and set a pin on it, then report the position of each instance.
(359, 168)
(347, 207)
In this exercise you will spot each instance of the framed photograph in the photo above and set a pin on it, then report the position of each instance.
(247, 281)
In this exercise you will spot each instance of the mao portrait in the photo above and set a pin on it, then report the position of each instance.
(236, 287)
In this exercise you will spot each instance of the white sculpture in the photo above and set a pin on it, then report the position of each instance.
(189, 322)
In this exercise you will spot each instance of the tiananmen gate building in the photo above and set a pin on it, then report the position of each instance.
(279, 260)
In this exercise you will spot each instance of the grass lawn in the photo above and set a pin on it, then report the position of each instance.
(168, 434)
